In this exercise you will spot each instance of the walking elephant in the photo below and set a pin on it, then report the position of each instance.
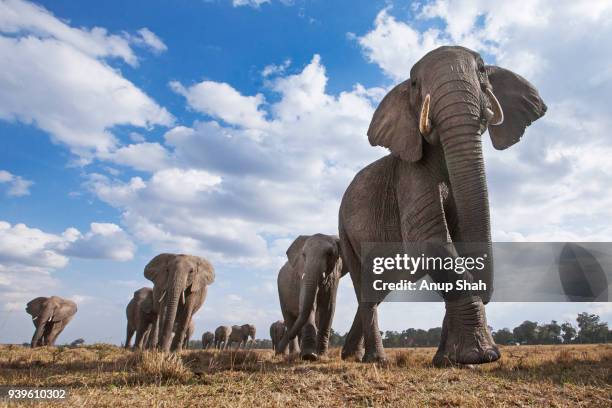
(307, 286)
(208, 340)
(180, 284)
(277, 330)
(222, 336)
(50, 316)
(432, 188)
(241, 334)
(140, 318)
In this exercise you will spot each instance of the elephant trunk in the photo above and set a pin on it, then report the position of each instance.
(173, 296)
(460, 136)
(308, 295)
(41, 321)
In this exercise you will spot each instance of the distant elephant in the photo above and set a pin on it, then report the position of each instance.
(208, 340)
(241, 334)
(50, 316)
(432, 188)
(307, 286)
(222, 336)
(140, 318)
(179, 289)
(277, 330)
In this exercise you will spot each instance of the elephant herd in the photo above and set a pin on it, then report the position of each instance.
(430, 188)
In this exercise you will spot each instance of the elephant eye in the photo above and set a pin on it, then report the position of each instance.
(481, 68)
(413, 83)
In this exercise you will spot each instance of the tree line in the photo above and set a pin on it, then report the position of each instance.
(589, 329)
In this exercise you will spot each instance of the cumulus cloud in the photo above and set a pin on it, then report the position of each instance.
(29, 256)
(221, 101)
(17, 185)
(264, 175)
(57, 78)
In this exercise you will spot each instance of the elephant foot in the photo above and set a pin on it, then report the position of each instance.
(309, 356)
(376, 357)
(352, 353)
(466, 338)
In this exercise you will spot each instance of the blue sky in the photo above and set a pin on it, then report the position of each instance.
(227, 128)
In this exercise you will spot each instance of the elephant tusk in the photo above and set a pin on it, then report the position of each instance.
(162, 296)
(34, 318)
(183, 296)
(498, 113)
(50, 318)
(424, 122)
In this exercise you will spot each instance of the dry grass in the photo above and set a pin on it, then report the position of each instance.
(103, 375)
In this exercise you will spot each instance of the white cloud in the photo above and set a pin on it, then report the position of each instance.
(57, 78)
(272, 69)
(148, 38)
(17, 185)
(233, 193)
(29, 256)
(221, 101)
(140, 156)
(251, 3)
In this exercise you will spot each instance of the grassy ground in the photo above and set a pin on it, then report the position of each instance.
(103, 375)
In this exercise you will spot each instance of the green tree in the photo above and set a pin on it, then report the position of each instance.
(526, 332)
(549, 333)
(568, 332)
(591, 330)
(504, 336)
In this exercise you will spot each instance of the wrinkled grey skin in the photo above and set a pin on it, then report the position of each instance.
(241, 335)
(222, 336)
(50, 316)
(188, 334)
(179, 290)
(140, 317)
(432, 187)
(277, 331)
(208, 340)
(307, 286)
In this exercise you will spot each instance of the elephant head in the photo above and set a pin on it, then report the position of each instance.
(318, 259)
(449, 100)
(175, 277)
(45, 310)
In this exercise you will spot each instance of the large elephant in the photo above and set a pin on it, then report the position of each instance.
(432, 187)
(277, 331)
(307, 286)
(140, 317)
(50, 316)
(179, 290)
(241, 334)
(208, 340)
(222, 336)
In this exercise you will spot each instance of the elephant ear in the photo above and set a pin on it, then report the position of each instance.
(157, 266)
(394, 125)
(341, 266)
(147, 304)
(64, 310)
(295, 249)
(520, 102)
(204, 272)
(35, 306)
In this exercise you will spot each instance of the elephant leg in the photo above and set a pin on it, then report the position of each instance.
(294, 344)
(326, 304)
(56, 329)
(44, 340)
(353, 344)
(182, 319)
(353, 347)
(309, 338)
